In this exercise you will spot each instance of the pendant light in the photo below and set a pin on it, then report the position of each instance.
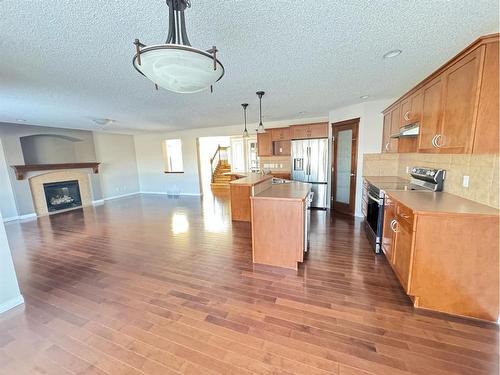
(245, 132)
(260, 128)
(175, 65)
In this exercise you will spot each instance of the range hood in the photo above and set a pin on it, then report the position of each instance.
(411, 130)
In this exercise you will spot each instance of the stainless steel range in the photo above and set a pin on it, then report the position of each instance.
(422, 179)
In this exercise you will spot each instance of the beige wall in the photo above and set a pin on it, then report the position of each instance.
(481, 169)
(118, 168)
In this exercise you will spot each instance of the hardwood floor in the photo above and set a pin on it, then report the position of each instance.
(155, 285)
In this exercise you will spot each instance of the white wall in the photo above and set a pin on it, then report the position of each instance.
(118, 168)
(150, 158)
(7, 202)
(10, 295)
(369, 137)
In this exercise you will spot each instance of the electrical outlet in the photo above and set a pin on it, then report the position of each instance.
(465, 182)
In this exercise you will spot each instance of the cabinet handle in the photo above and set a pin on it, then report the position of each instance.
(407, 116)
(387, 146)
(438, 137)
(404, 216)
(393, 226)
(434, 141)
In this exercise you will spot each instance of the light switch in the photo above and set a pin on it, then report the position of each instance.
(465, 182)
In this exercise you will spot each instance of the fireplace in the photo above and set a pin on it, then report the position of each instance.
(62, 195)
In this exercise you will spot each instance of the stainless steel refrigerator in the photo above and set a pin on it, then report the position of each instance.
(310, 164)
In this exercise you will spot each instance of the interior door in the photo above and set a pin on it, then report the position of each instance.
(345, 151)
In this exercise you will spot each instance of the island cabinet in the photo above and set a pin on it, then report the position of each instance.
(444, 251)
(242, 189)
(457, 106)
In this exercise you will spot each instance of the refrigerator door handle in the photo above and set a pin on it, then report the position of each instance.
(308, 161)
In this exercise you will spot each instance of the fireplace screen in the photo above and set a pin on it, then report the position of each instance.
(62, 195)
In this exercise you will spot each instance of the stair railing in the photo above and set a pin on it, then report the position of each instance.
(219, 155)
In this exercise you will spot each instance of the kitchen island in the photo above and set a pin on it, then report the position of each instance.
(280, 222)
(242, 189)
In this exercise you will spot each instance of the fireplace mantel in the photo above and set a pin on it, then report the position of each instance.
(22, 169)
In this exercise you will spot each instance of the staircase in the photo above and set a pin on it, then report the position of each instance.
(221, 169)
(220, 180)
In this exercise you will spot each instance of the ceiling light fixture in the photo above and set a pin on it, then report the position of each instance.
(364, 97)
(103, 121)
(392, 54)
(245, 132)
(175, 65)
(20, 120)
(260, 129)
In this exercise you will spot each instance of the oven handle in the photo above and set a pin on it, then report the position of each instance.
(373, 198)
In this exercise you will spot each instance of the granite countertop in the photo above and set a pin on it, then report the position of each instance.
(251, 179)
(289, 191)
(430, 202)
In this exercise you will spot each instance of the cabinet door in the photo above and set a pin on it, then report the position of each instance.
(388, 231)
(387, 132)
(395, 125)
(403, 252)
(406, 111)
(280, 134)
(432, 96)
(264, 144)
(318, 130)
(460, 104)
(298, 132)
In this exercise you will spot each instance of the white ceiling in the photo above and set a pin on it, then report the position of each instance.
(65, 62)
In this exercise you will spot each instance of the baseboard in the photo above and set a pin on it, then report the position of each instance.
(20, 217)
(121, 196)
(10, 304)
(165, 193)
(98, 202)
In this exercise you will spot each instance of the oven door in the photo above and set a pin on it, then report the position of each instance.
(373, 221)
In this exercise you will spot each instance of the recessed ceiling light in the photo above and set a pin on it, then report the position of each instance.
(103, 121)
(20, 120)
(364, 97)
(392, 54)
(302, 112)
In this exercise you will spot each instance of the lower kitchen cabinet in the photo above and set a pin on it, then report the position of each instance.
(445, 261)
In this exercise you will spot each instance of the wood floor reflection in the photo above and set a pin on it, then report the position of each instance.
(157, 285)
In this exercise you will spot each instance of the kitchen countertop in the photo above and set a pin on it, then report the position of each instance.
(289, 191)
(429, 202)
(251, 179)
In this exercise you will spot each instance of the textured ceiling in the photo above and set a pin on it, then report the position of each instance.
(64, 63)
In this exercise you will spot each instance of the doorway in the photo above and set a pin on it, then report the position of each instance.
(207, 146)
(344, 164)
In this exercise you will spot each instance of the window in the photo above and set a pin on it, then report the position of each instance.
(172, 153)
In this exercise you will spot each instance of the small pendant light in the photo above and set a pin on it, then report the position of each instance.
(260, 129)
(245, 132)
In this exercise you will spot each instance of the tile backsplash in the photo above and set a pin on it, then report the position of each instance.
(481, 169)
(275, 163)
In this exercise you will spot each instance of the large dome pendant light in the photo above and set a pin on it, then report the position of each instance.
(245, 132)
(260, 128)
(175, 65)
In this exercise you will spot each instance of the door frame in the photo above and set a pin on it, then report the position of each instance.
(353, 124)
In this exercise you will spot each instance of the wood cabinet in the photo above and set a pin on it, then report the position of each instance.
(281, 148)
(457, 106)
(264, 144)
(389, 228)
(438, 266)
(306, 131)
(280, 134)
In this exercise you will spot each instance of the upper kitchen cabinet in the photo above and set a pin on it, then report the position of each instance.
(457, 106)
(391, 127)
(317, 130)
(280, 134)
(386, 136)
(264, 144)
